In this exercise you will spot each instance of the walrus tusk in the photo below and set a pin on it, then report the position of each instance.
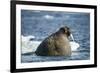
(72, 37)
(74, 45)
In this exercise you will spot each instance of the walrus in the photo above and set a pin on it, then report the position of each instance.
(57, 44)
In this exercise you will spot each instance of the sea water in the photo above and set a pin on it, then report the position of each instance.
(37, 25)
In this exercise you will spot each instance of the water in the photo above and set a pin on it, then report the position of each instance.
(41, 24)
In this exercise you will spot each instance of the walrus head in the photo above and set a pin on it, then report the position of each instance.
(65, 30)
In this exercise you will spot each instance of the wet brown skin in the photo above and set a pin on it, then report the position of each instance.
(57, 44)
